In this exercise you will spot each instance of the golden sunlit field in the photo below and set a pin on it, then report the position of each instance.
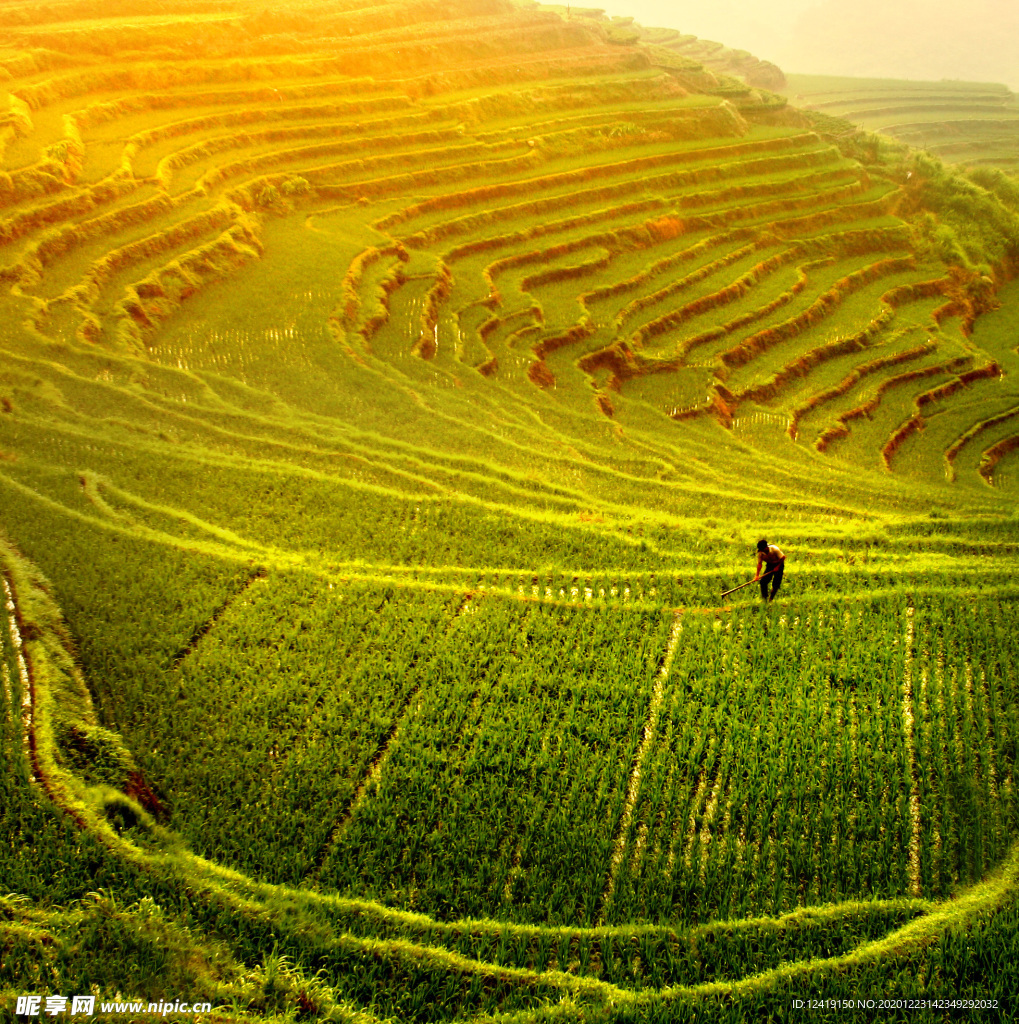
(389, 397)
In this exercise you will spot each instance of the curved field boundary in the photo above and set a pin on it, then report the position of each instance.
(384, 114)
(650, 117)
(668, 229)
(510, 70)
(860, 113)
(483, 195)
(722, 297)
(93, 486)
(166, 75)
(756, 242)
(120, 259)
(370, 168)
(994, 455)
(636, 235)
(418, 139)
(273, 105)
(1006, 144)
(59, 243)
(427, 344)
(557, 341)
(471, 48)
(916, 422)
(555, 275)
(792, 188)
(862, 106)
(355, 142)
(938, 115)
(20, 224)
(521, 101)
(952, 452)
(666, 183)
(939, 394)
(560, 226)
(485, 64)
(893, 299)
(797, 368)
(788, 227)
(159, 295)
(848, 243)
(59, 166)
(374, 307)
(841, 429)
(641, 238)
(817, 584)
(365, 128)
(967, 126)
(234, 384)
(379, 187)
(847, 213)
(379, 312)
(760, 342)
(640, 235)
(480, 19)
(852, 379)
(282, 108)
(763, 311)
(490, 330)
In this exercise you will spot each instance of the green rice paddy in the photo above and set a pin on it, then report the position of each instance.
(387, 396)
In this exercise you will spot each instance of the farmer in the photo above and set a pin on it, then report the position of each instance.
(772, 558)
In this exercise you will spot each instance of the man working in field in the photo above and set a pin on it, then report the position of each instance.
(772, 558)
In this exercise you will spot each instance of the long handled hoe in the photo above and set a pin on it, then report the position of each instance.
(748, 582)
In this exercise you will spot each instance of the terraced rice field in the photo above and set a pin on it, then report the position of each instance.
(972, 123)
(387, 395)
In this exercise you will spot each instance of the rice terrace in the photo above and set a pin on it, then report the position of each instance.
(387, 396)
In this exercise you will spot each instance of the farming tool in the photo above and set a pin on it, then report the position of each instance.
(748, 582)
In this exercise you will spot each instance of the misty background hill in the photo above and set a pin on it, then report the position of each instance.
(976, 40)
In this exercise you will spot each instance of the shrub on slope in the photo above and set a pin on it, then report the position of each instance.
(971, 221)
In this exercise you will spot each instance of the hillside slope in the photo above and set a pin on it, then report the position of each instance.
(972, 123)
(387, 395)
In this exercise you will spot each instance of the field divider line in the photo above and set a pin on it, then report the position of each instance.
(26, 680)
(633, 789)
(938, 703)
(383, 752)
(708, 828)
(204, 628)
(514, 872)
(705, 785)
(370, 780)
(987, 728)
(907, 728)
(8, 693)
(5, 673)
